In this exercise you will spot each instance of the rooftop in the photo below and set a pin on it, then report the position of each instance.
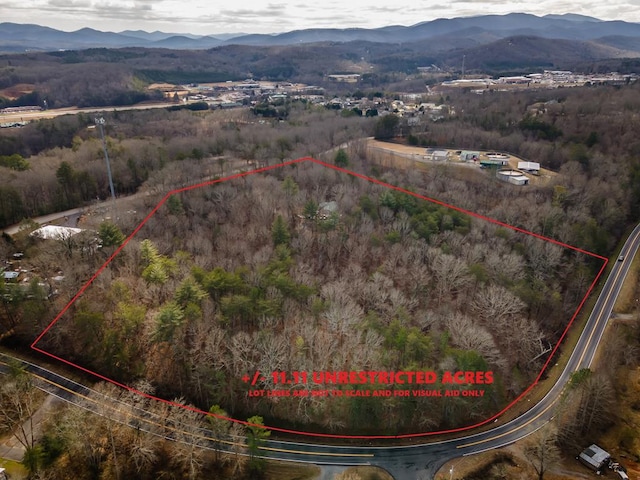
(55, 232)
(595, 455)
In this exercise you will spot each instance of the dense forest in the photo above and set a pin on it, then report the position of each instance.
(311, 270)
(253, 273)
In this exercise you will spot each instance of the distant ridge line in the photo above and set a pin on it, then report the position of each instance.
(29, 37)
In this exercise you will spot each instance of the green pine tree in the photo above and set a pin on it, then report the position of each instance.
(280, 232)
(342, 159)
(110, 235)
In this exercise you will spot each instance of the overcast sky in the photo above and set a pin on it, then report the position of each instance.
(256, 16)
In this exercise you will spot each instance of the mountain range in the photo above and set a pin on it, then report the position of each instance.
(622, 37)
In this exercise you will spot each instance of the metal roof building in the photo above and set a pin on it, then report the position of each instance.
(594, 457)
(9, 275)
(466, 155)
(529, 166)
(512, 176)
(436, 154)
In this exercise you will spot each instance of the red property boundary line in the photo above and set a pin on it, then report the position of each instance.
(299, 432)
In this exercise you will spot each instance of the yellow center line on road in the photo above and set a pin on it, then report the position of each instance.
(512, 430)
(324, 454)
(195, 435)
(331, 454)
(615, 279)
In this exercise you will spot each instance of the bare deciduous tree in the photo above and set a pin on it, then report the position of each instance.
(19, 400)
(541, 450)
(494, 304)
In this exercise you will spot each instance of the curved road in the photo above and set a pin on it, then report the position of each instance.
(403, 462)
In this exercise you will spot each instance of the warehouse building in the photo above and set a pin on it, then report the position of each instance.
(532, 167)
(512, 176)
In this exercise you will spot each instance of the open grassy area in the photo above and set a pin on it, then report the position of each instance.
(15, 470)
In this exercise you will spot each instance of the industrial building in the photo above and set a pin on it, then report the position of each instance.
(502, 157)
(436, 154)
(532, 167)
(466, 156)
(512, 176)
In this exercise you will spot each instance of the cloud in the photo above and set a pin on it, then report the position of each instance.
(69, 4)
(257, 16)
(386, 9)
(90, 12)
(272, 10)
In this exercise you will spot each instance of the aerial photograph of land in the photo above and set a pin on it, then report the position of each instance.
(289, 241)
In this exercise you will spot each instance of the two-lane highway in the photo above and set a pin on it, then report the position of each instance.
(403, 462)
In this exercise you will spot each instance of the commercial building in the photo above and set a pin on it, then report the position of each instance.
(466, 156)
(436, 154)
(532, 167)
(512, 176)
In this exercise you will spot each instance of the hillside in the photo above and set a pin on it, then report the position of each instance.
(535, 52)
(15, 37)
(101, 76)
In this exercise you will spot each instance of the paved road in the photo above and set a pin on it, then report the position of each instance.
(71, 216)
(403, 462)
(56, 112)
(74, 213)
(606, 301)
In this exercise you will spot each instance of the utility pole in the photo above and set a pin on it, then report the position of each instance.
(463, 59)
(100, 124)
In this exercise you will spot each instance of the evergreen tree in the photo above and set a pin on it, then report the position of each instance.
(168, 320)
(342, 159)
(290, 186)
(256, 437)
(280, 232)
(386, 127)
(110, 235)
(310, 210)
